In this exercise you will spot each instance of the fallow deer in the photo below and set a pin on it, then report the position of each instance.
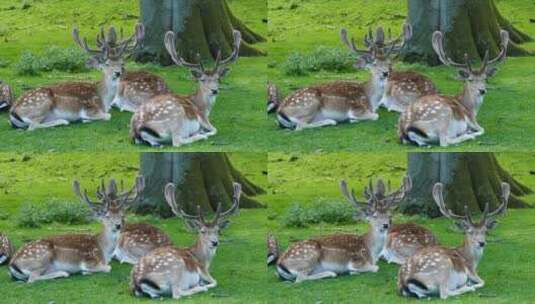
(6, 96)
(178, 272)
(404, 240)
(178, 119)
(61, 104)
(137, 240)
(450, 120)
(6, 249)
(329, 256)
(445, 272)
(64, 255)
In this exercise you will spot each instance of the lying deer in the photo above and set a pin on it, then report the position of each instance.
(329, 256)
(178, 119)
(6, 249)
(137, 240)
(446, 272)
(179, 272)
(61, 104)
(64, 255)
(450, 120)
(6, 96)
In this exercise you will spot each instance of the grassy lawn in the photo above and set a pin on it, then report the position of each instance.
(238, 266)
(238, 113)
(302, 26)
(507, 265)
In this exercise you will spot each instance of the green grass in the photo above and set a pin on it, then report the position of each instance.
(237, 114)
(505, 115)
(507, 265)
(238, 266)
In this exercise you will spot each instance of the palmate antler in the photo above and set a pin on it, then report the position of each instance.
(438, 47)
(378, 45)
(198, 219)
(467, 217)
(170, 45)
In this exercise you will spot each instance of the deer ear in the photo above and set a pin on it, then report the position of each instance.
(196, 74)
(491, 224)
(462, 225)
(463, 74)
(192, 225)
(93, 63)
(222, 72)
(224, 224)
(490, 72)
(363, 61)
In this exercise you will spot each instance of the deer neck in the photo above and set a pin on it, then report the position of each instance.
(470, 101)
(107, 241)
(471, 254)
(204, 101)
(375, 88)
(203, 252)
(375, 241)
(107, 89)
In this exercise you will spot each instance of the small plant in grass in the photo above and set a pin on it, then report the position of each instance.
(53, 58)
(320, 212)
(321, 59)
(33, 215)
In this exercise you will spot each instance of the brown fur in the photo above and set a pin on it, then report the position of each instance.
(6, 248)
(139, 239)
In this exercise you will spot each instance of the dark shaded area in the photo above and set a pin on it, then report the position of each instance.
(469, 178)
(202, 27)
(469, 26)
(203, 179)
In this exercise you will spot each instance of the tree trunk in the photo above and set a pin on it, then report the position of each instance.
(203, 179)
(469, 178)
(202, 27)
(469, 26)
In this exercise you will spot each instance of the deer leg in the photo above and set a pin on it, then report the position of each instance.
(460, 291)
(316, 124)
(96, 116)
(459, 139)
(178, 293)
(96, 268)
(317, 276)
(178, 140)
(478, 282)
(207, 125)
(48, 124)
(366, 268)
(37, 276)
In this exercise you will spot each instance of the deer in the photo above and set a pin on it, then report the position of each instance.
(332, 255)
(6, 96)
(178, 119)
(403, 240)
(61, 256)
(450, 120)
(137, 240)
(446, 272)
(6, 249)
(61, 104)
(179, 272)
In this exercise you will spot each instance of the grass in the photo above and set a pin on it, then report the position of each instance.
(308, 178)
(302, 26)
(42, 177)
(237, 114)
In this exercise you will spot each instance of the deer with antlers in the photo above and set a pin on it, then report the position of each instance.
(179, 272)
(6, 96)
(445, 272)
(6, 249)
(61, 104)
(64, 255)
(329, 256)
(448, 120)
(178, 119)
(137, 240)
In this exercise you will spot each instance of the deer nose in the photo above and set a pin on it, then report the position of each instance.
(385, 74)
(481, 244)
(117, 74)
(214, 243)
(214, 92)
(385, 226)
(482, 92)
(118, 226)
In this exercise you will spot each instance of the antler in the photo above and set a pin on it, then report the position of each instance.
(350, 195)
(398, 195)
(170, 45)
(350, 43)
(399, 43)
(169, 193)
(83, 43)
(98, 208)
(506, 191)
(439, 199)
(233, 56)
(504, 41)
(235, 205)
(132, 195)
(438, 46)
(126, 45)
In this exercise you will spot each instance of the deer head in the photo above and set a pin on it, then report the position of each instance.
(379, 202)
(376, 56)
(110, 49)
(112, 202)
(208, 79)
(208, 230)
(475, 232)
(475, 79)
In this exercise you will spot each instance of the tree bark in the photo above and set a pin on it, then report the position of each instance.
(469, 178)
(202, 27)
(469, 26)
(203, 179)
